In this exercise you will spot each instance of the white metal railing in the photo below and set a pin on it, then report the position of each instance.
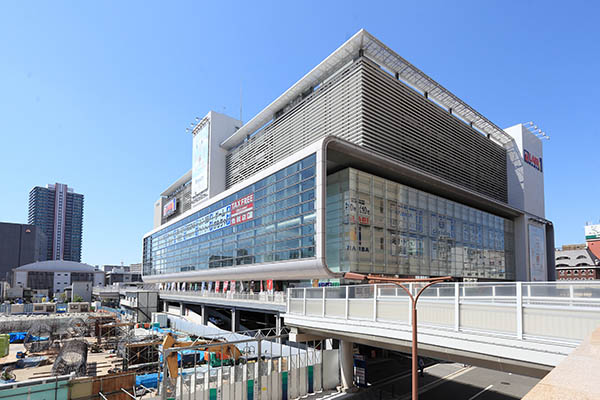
(552, 310)
(275, 297)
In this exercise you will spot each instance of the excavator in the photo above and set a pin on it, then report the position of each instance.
(216, 356)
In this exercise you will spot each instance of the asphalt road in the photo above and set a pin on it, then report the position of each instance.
(449, 381)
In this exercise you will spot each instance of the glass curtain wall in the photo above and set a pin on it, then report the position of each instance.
(270, 220)
(378, 226)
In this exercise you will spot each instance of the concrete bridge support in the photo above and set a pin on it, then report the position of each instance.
(346, 364)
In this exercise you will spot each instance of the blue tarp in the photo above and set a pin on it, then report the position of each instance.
(148, 380)
(19, 337)
(16, 337)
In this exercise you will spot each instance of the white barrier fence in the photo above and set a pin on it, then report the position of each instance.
(275, 369)
(549, 311)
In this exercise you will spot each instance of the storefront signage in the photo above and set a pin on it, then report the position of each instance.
(242, 210)
(357, 209)
(239, 211)
(537, 250)
(535, 162)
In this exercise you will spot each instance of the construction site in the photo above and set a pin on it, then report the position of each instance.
(96, 355)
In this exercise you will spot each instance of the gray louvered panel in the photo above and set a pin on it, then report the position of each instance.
(404, 125)
(333, 109)
(365, 105)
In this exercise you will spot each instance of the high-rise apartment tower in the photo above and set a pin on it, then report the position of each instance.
(58, 210)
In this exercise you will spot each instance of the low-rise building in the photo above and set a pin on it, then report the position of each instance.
(122, 273)
(576, 264)
(56, 275)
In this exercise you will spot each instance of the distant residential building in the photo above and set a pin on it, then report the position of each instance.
(58, 211)
(56, 275)
(20, 244)
(136, 268)
(122, 273)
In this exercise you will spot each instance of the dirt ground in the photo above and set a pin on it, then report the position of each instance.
(97, 363)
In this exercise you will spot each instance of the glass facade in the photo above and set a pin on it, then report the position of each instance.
(379, 226)
(270, 220)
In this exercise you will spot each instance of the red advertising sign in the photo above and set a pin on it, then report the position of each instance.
(217, 286)
(270, 285)
(225, 286)
(242, 210)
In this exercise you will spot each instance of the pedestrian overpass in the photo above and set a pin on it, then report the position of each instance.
(522, 327)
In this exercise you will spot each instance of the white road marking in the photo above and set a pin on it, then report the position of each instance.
(440, 381)
(480, 392)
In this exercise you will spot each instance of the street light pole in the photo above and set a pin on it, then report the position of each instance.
(400, 282)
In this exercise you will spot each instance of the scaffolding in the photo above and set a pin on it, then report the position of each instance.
(110, 334)
(72, 358)
(140, 353)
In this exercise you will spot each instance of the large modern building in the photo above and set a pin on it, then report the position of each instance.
(20, 244)
(365, 164)
(58, 211)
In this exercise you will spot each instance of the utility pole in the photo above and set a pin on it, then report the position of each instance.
(413, 298)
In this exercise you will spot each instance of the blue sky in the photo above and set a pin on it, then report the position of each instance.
(97, 95)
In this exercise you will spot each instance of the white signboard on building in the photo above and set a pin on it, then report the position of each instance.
(537, 253)
(200, 156)
(592, 232)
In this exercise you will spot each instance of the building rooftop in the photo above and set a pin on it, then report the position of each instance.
(575, 258)
(57, 266)
(388, 59)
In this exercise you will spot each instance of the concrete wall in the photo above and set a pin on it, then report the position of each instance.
(62, 280)
(221, 127)
(83, 289)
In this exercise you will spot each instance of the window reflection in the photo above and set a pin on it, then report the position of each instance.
(379, 226)
(281, 227)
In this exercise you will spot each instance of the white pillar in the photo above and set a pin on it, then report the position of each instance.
(346, 364)
(204, 317)
(235, 320)
(278, 327)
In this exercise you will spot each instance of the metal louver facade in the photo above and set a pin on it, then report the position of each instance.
(365, 105)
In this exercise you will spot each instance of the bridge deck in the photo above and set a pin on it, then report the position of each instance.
(499, 325)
